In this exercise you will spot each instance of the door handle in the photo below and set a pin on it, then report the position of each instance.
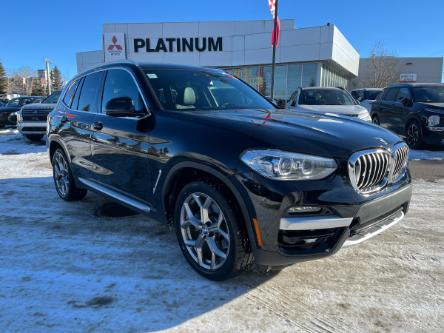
(98, 125)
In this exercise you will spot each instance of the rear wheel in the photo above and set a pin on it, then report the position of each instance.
(34, 137)
(207, 231)
(63, 179)
(414, 135)
(375, 120)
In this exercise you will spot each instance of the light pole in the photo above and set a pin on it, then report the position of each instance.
(48, 74)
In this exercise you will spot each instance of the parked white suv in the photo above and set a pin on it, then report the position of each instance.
(31, 119)
(327, 101)
(366, 96)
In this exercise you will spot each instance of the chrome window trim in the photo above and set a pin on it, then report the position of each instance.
(107, 69)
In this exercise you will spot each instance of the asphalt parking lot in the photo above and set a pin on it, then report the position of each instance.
(72, 267)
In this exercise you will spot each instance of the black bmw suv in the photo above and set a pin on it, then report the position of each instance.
(413, 110)
(241, 181)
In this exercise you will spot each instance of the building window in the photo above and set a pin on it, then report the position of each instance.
(288, 77)
(309, 75)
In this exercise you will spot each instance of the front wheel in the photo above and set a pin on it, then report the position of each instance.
(63, 179)
(414, 135)
(34, 137)
(207, 231)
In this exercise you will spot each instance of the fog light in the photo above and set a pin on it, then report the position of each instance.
(303, 209)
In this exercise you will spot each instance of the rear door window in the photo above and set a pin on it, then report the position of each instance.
(90, 90)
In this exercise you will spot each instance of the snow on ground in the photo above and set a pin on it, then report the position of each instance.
(416, 155)
(66, 268)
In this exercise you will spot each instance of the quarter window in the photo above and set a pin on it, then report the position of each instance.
(120, 84)
(67, 99)
(88, 95)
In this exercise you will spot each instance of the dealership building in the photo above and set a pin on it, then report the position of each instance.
(315, 56)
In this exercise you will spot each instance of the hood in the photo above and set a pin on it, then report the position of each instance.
(39, 106)
(303, 132)
(336, 109)
(437, 107)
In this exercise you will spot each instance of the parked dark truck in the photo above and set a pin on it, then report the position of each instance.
(413, 110)
(241, 181)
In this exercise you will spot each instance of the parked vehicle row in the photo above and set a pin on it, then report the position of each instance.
(32, 118)
(13, 106)
(240, 180)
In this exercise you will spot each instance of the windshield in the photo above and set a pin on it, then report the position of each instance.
(325, 97)
(193, 90)
(53, 98)
(434, 94)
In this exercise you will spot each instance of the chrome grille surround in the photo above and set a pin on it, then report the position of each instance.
(401, 158)
(371, 170)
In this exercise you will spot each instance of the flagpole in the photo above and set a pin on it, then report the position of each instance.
(273, 65)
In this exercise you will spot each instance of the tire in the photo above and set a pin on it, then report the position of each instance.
(34, 137)
(375, 120)
(2, 125)
(63, 178)
(219, 236)
(413, 135)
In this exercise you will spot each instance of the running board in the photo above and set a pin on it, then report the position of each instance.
(116, 195)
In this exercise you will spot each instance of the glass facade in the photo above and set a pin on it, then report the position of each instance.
(288, 77)
(332, 77)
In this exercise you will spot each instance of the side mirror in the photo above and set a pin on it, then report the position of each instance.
(407, 101)
(120, 107)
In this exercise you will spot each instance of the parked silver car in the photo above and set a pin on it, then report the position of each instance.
(327, 101)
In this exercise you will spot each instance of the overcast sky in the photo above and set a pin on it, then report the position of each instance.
(33, 30)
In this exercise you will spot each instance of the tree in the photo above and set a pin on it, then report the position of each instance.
(37, 88)
(382, 69)
(56, 79)
(3, 80)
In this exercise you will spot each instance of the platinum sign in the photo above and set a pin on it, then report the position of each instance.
(194, 44)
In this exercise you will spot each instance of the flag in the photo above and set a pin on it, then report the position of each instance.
(272, 6)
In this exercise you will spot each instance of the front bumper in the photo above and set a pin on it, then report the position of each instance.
(434, 135)
(345, 219)
(32, 127)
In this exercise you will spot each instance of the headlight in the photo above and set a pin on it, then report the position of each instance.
(280, 165)
(433, 120)
(365, 115)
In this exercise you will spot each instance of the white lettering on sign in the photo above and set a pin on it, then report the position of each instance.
(407, 77)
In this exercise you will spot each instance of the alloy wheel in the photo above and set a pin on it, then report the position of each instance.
(204, 231)
(61, 174)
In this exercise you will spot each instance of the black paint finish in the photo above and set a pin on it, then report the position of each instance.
(139, 157)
